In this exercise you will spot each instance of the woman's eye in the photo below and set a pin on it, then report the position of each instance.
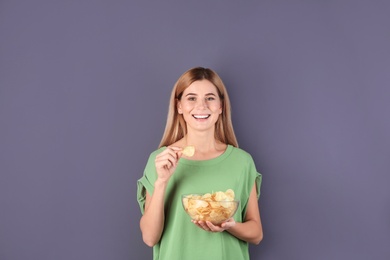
(210, 98)
(191, 99)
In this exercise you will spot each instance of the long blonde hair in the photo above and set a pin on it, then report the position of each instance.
(176, 128)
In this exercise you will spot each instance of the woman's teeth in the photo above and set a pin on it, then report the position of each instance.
(201, 116)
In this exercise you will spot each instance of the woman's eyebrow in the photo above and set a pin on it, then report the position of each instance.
(191, 94)
(194, 94)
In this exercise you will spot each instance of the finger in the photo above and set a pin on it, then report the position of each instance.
(197, 224)
(168, 159)
(203, 225)
(167, 152)
(208, 226)
(229, 223)
(177, 151)
(213, 227)
(175, 148)
(179, 154)
(162, 162)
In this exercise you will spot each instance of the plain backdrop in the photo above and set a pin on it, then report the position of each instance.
(84, 89)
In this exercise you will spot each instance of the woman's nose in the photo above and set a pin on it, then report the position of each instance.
(201, 103)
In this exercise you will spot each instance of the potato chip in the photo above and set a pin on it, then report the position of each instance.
(189, 151)
(206, 196)
(230, 194)
(215, 207)
(220, 196)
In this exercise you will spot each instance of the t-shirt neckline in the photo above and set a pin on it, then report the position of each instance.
(215, 160)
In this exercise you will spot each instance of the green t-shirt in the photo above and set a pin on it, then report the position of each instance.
(183, 240)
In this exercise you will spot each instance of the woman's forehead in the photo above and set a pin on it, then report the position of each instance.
(201, 87)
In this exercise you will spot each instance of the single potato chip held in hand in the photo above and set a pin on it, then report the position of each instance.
(189, 151)
(215, 207)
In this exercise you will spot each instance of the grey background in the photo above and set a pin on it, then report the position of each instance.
(84, 89)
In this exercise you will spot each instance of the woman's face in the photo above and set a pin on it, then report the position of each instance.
(200, 105)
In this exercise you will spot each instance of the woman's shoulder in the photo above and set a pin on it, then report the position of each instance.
(154, 153)
(241, 153)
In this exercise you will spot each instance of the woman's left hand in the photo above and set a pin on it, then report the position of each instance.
(208, 226)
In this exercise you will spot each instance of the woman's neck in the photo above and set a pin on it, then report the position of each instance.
(202, 140)
(206, 146)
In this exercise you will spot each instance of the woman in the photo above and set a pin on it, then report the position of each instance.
(199, 115)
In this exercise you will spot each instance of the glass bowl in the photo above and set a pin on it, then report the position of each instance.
(201, 209)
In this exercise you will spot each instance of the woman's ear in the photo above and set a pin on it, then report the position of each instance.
(221, 108)
(179, 110)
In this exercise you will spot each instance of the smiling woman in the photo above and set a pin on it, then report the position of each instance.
(199, 117)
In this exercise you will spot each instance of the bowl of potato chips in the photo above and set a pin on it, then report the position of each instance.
(215, 207)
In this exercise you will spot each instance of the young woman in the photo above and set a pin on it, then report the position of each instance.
(199, 115)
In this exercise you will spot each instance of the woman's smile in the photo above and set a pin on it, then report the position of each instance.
(201, 117)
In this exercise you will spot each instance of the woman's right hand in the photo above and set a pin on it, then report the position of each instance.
(166, 162)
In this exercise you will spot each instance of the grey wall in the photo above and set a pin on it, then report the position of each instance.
(84, 88)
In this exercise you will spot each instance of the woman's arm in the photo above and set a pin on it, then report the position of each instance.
(251, 229)
(152, 221)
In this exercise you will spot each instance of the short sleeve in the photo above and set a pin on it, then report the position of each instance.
(250, 178)
(146, 182)
(258, 181)
(143, 185)
(254, 177)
